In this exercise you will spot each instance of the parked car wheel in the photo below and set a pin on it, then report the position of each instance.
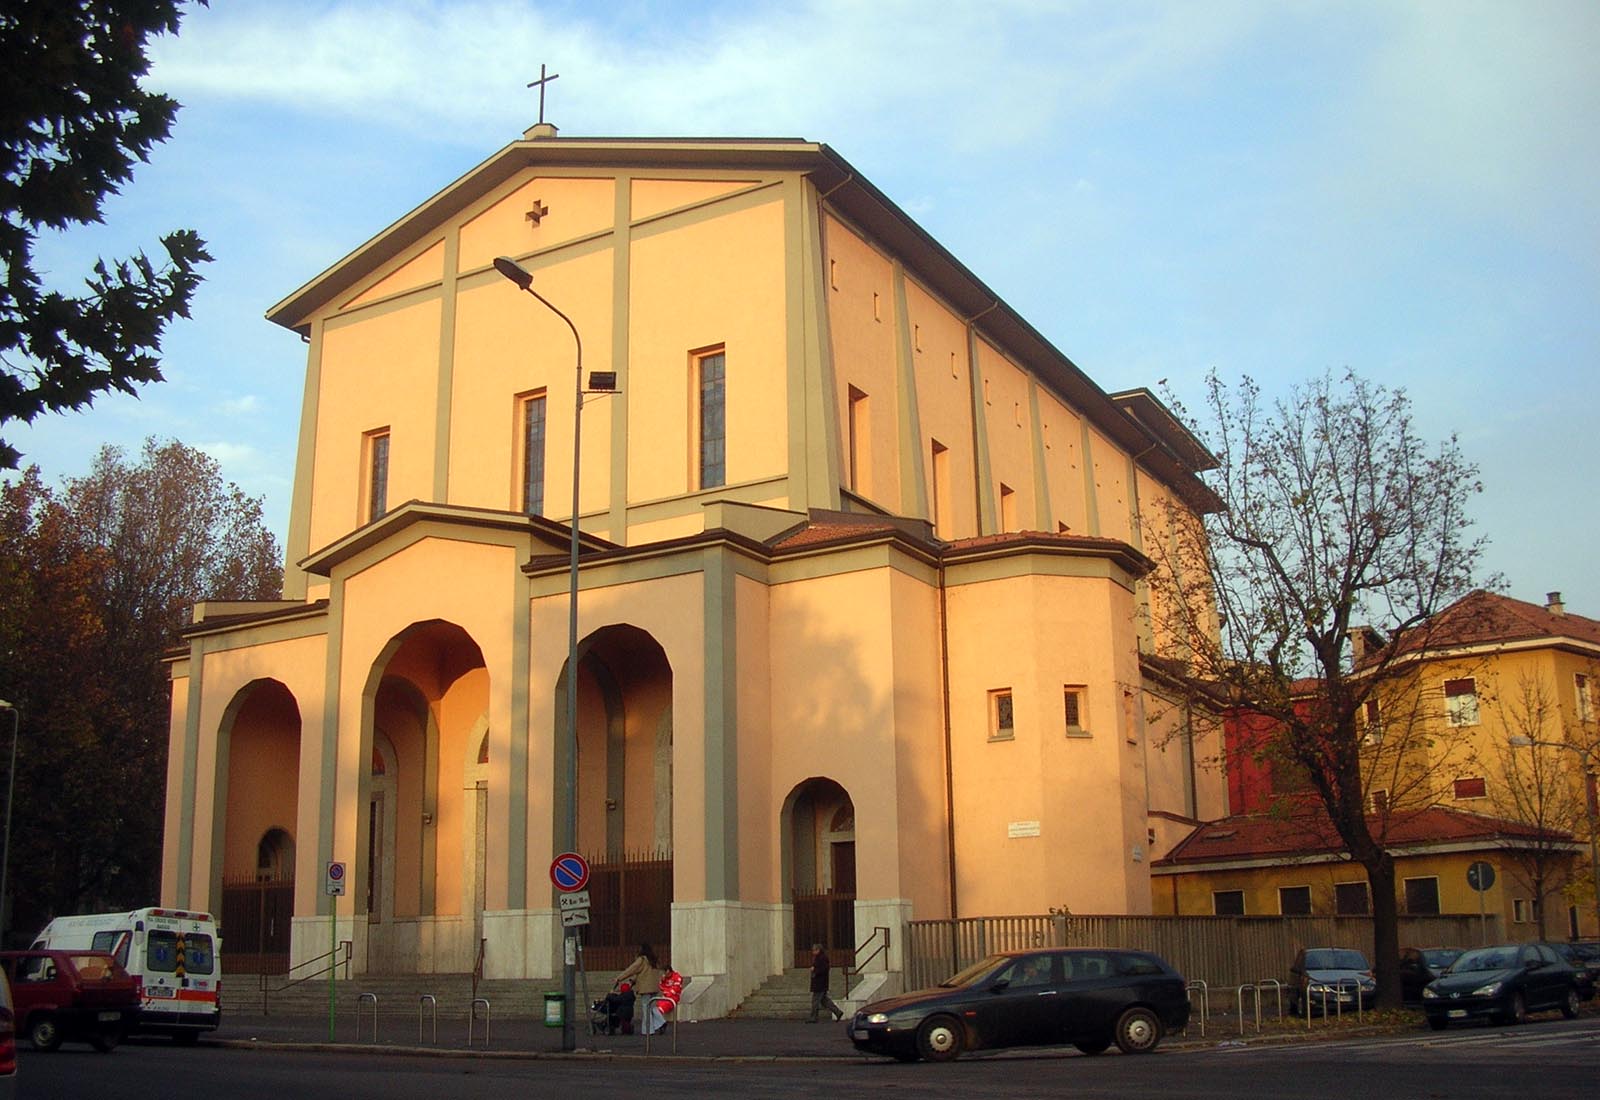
(1138, 1031)
(939, 1039)
(1569, 1005)
(106, 1041)
(1516, 1010)
(1093, 1046)
(44, 1033)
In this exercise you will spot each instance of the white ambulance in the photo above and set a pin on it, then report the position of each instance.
(175, 955)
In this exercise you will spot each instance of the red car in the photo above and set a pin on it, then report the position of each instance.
(82, 995)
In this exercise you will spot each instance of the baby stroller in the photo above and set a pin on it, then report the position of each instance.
(613, 1013)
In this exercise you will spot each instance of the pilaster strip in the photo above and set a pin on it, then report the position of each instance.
(983, 468)
(721, 730)
(913, 470)
(297, 545)
(1091, 498)
(621, 276)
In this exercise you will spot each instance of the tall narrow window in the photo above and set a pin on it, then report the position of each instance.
(859, 430)
(1581, 687)
(1008, 508)
(940, 489)
(1461, 701)
(533, 423)
(711, 385)
(1002, 726)
(377, 449)
(1072, 705)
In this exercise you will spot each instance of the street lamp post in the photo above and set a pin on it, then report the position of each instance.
(11, 786)
(569, 839)
(1585, 753)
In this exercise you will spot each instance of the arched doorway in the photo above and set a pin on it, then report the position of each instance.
(624, 792)
(820, 830)
(259, 754)
(429, 699)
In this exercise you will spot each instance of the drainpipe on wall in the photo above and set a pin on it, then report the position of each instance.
(949, 767)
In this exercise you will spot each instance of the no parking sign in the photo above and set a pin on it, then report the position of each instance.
(333, 885)
(569, 871)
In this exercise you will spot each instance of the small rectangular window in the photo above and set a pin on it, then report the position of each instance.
(710, 381)
(1227, 903)
(1422, 896)
(1519, 911)
(1072, 705)
(1380, 800)
(533, 426)
(377, 456)
(1585, 697)
(1471, 787)
(1294, 901)
(1461, 701)
(1350, 899)
(1002, 727)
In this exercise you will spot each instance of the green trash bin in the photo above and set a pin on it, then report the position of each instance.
(555, 1009)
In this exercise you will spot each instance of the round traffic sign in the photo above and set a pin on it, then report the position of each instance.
(1480, 876)
(569, 871)
(336, 871)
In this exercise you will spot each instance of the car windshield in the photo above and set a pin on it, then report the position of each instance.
(1485, 958)
(1335, 958)
(1440, 957)
(974, 972)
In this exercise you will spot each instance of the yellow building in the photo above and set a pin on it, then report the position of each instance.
(1482, 747)
(860, 598)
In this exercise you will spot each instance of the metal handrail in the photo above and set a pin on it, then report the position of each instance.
(367, 998)
(1277, 987)
(427, 1008)
(1256, 989)
(346, 947)
(1205, 1003)
(472, 1020)
(861, 965)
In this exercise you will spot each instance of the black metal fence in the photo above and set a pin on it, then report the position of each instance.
(828, 918)
(257, 917)
(630, 902)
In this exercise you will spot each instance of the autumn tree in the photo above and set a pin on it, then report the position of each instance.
(96, 580)
(74, 119)
(1339, 526)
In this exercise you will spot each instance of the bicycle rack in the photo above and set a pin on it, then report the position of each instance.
(1277, 988)
(1205, 1003)
(372, 999)
(427, 1008)
(1257, 991)
(472, 1020)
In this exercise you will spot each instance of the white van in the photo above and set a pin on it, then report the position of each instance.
(175, 955)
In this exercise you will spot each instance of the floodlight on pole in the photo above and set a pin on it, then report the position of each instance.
(1585, 754)
(569, 838)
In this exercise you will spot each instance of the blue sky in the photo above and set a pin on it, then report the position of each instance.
(1273, 189)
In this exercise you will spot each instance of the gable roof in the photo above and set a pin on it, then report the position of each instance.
(1269, 838)
(1134, 420)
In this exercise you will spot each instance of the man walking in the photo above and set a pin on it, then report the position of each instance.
(819, 985)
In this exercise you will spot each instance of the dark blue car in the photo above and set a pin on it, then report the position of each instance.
(1502, 984)
(1086, 997)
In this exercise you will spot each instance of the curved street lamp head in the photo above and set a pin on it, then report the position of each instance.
(514, 271)
(1521, 741)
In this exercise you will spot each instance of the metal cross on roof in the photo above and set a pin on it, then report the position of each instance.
(540, 83)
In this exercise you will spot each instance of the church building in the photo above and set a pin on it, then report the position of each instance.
(863, 634)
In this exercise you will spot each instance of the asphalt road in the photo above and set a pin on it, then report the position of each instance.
(1552, 1058)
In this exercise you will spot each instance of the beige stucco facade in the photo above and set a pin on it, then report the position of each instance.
(790, 664)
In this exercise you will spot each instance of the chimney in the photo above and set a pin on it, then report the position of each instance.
(1552, 603)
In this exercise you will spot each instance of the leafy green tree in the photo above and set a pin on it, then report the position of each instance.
(1340, 525)
(96, 582)
(73, 121)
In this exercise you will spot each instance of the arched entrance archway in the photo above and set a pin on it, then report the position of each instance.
(624, 791)
(427, 715)
(257, 807)
(819, 829)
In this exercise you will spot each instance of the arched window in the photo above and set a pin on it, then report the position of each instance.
(275, 856)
